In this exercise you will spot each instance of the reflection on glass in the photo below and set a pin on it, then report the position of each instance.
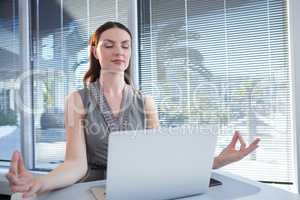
(10, 69)
(60, 61)
(226, 63)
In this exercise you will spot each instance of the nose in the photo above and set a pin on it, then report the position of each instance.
(118, 50)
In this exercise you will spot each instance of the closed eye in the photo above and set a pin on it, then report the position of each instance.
(108, 46)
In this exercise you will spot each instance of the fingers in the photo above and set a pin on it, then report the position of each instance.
(14, 163)
(238, 137)
(243, 144)
(16, 185)
(251, 147)
(234, 139)
(32, 191)
(21, 166)
(19, 188)
(28, 191)
(255, 142)
(12, 178)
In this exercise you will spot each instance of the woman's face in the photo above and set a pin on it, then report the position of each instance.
(114, 50)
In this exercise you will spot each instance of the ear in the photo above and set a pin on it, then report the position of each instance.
(94, 49)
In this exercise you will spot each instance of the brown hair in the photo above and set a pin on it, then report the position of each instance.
(94, 70)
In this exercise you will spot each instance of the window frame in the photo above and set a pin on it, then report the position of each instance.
(27, 136)
(133, 27)
(294, 47)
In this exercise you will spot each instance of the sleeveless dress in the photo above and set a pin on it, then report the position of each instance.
(99, 122)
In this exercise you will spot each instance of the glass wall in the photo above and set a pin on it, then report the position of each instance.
(60, 55)
(10, 69)
(223, 62)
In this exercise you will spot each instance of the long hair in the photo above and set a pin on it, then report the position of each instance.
(94, 70)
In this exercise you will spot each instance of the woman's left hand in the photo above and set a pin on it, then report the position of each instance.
(230, 154)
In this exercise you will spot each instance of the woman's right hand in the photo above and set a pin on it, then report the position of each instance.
(20, 179)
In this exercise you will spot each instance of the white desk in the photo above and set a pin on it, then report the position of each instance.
(234, 187)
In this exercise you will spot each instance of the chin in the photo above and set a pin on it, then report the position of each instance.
(115, 70)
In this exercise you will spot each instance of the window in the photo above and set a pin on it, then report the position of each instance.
(60, 55)
(223, 62)
(10, 69)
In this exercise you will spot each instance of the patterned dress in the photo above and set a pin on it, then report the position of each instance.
(99, 122)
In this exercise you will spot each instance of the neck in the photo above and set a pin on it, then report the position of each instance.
(112, 83)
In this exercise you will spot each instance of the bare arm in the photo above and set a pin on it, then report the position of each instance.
(231, 154)
(151, 113)
(74, 166)
(71, 170)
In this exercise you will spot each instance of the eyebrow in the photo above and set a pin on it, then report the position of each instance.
(108, 40)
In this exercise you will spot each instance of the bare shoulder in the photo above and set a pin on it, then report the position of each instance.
(74, 95)
(151, 112)
(149, 100)
(74, 103)
(149, 104)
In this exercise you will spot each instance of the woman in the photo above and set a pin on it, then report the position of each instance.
(108, 103)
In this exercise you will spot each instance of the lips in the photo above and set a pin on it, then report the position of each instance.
(118, 61)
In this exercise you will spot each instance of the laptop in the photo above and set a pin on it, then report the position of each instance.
(160, 164)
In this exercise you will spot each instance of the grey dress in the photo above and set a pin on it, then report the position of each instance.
(99, 123)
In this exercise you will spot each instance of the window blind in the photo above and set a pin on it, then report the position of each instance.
(60, 59)
(10, 69)
(223, 62)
